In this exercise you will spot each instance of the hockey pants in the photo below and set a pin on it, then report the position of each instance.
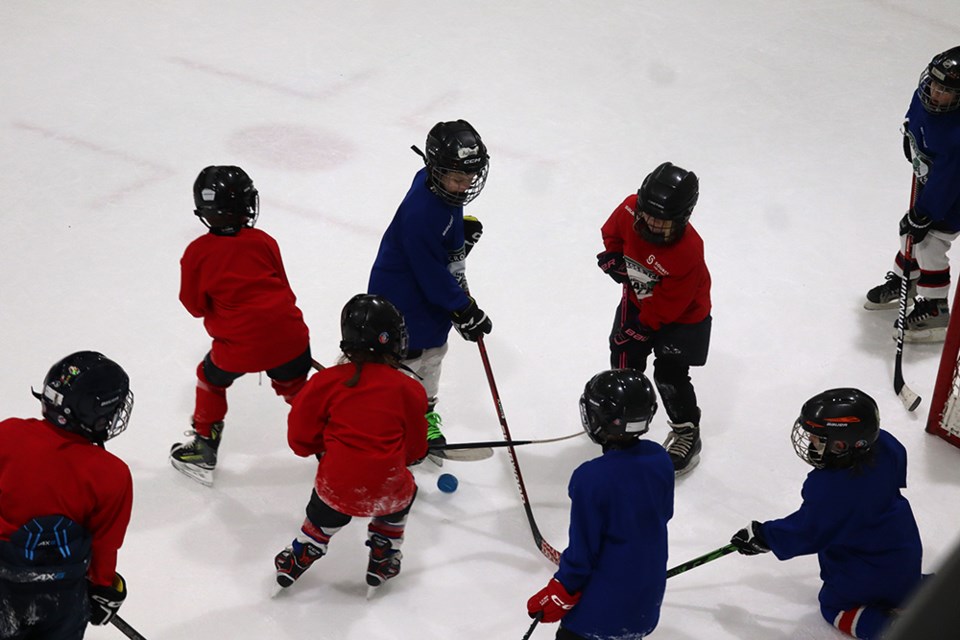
(426, 364)
(676, 348)
(212, 384)
(929, 265)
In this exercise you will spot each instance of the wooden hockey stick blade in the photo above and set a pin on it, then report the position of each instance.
(468, 454)
(705, 558)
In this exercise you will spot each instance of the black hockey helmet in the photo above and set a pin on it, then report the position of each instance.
(456, 147)
(665, 201)
(939, 86)
(836, 428)
(89, 394)
(617, 404)
(226, 199)
(371, 323)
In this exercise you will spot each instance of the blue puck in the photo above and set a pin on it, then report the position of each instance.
(447, 482)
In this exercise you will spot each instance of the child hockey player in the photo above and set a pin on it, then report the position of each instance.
(852, 516)
(657, 256)
(65, 503)
(366, 423)
(931, 142)
(618, 499)
(233, 278)
(420, 266)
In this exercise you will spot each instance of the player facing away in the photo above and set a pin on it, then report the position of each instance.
(233, 278)
(613, 573)
(853, 515)
(65, 503)
(931, 142)
(421, 264)
(365, 421)
(657, 256)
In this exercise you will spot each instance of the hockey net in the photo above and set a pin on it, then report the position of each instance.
(944, 417)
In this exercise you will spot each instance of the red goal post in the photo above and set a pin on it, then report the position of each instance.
(944, 417)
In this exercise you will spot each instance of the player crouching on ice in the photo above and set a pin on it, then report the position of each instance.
(366, 422)
(622, 497)
(852, 516)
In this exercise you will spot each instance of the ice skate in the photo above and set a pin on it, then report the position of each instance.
(927, 321)
(435, 437)
(887, 295)
(683, 445)
(294, 560)
(384, 562)
(197, 458)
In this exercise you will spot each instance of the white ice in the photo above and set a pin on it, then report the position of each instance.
(788, 111)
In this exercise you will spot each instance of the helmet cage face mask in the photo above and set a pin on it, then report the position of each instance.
(665, 202)
(936, 95)
(456, 187)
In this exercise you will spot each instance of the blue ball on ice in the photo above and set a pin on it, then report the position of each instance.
(447, 482)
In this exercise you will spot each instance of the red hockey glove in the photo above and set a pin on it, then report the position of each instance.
(552, 601)
(106, 601)
(613, 264)
(749, 540)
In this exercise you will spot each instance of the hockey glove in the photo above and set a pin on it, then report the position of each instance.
(106, 601)
(471, 322)
(916, 224)
(632, 331)
(472, 230)
(553, 602)
(613, 264)
(749, 540)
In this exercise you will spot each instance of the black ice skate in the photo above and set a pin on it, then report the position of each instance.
(384, 562)
(197, 457)
(927, 321)
(294, 560)
(887, 295)
(683, 445)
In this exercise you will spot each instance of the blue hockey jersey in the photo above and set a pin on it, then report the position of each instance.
(420, 264)
(861, 528)
(617, 553)
(935, 147)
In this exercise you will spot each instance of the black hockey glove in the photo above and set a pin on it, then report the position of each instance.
(632, 331)
(749, 540)
(613, 264)
(471, 322)
(106, 601)
(916, 224)
(472, 230)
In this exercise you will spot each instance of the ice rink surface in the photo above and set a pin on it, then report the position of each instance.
(788, 111)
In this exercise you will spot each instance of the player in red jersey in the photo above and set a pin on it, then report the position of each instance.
(233, 278)
(65, 503)
(652, 250)
(365, 421)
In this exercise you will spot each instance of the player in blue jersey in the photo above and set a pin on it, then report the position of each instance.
(420, 267)
(613, 573)
(853, 515)
(931, 142)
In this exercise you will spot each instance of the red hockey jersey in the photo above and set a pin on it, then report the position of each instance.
(670, 283)
(45, 470)
(368, 435)
(237, 284)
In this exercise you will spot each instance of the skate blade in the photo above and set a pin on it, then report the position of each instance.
(371, 591)
(880, 306)
(192, 471)
(277, 589)
(694, 461)
(920, 336)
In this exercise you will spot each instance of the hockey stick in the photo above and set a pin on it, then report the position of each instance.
(125, 628)
(533, 626)
(501, 443)
(704, 559)
(907, 396)
(552, 554)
